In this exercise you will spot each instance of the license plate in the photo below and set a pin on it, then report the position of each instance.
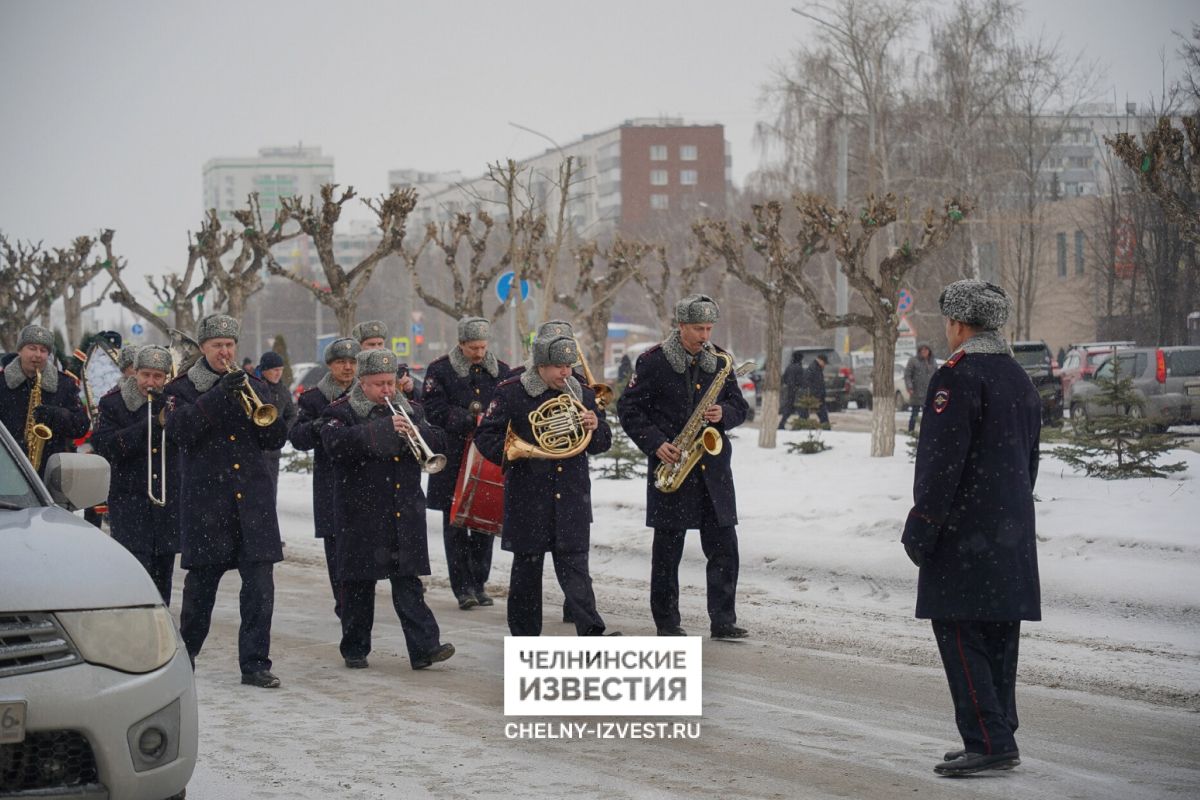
(12, 722)
(1193, 391)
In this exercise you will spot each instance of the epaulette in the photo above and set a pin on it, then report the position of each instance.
(955, 358)
(113, 390)
(72, 376)
(507, 381)
(183, 376)
(439, 358)
(339, 401)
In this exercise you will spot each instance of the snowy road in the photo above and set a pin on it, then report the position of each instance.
(779, 721)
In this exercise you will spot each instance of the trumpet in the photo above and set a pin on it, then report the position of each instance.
(604, 392)
(430, 461)
(262, 414)
(159, 498)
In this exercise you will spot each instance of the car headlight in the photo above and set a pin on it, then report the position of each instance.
(129, 639)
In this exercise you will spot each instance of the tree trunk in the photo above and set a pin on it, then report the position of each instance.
(768, 418)
(883, 373)
(345, 319)
(73, 314)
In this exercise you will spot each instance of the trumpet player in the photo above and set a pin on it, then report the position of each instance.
(547, 495)
(35, 396)
(128, 434)
(458, 386)
(221, 431)
(668, 382)
(379, 510)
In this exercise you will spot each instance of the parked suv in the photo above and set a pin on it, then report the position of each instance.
(1166, 379)
(1081, 361)
(839, 379)
(97, 697)
(1035, 357)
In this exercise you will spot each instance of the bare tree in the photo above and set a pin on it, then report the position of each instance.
(659, 292)
(776, 276)
(238, 280)
(73, 271)
(1167, 166)
(595, 289)
(28, 285)
(470, 275)
(178, 292)
(344, 286)
(849, 236)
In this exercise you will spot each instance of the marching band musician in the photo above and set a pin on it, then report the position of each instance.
(373, 335)
(547, 501)
(60, 408)
(146, 529)
(668, 381)
(226, 488)
(126, 357)
(380, 511)
(458, 386)
(306, 435)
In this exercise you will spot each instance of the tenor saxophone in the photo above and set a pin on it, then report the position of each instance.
(36, 434)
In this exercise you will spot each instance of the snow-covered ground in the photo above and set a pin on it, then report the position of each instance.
(822, 567)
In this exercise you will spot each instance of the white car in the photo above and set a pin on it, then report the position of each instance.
(97, 698)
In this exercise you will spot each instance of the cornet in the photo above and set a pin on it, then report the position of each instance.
(262, 414)
(430, 461)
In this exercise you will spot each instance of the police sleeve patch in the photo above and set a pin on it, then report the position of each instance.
(941, 400)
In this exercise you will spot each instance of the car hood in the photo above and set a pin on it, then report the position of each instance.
(54, 561)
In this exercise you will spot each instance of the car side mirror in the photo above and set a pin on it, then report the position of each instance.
(77, 480)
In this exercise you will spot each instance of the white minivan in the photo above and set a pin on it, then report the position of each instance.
(97, 697)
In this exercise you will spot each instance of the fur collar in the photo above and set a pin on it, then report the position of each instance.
(363, 407)
(986, 342)
(534, 386)
(202, 376)
(679, 358)
(130, 394)
(462, 365)
(14, 377)
(329, 388)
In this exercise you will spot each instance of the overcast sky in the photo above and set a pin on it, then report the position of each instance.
(109, 109)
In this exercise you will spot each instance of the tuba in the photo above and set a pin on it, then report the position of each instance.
(558, 431)
(696, 438)
(36, 434)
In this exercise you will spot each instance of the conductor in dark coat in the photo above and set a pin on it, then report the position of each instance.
(458, 386)
(547, 501)
(379, 511)
(225, 484)
(306, 435)
(60, 408)
(971, 529)
(130, 438)
(668, 382)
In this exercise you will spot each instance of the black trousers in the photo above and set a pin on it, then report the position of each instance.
(330, 543)
(720, 547)
(980, 659)
(468, 557)
(822, 409)
(257, 606)
(161, 569)
(525, 593)
(421, 633)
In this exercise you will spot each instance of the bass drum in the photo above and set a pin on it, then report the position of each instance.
(479, 494)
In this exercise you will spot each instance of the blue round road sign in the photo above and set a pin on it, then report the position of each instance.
(504, 287)
(137, 329)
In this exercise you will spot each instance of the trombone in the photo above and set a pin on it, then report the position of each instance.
(158, 498)
(262, 414)
(430, 461)
(604, 392)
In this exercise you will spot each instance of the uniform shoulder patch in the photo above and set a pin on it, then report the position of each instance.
(508, 381)
(941, 400)
(341, 400)
(955, 358)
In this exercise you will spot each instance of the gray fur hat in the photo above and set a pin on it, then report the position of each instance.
(473, 329)
(557, 351)
(152, 356)
(554, 327)
(342, 348)
(35, 334)
(976, 303)
(370, 329)
(217, 326)
(375, 362)
(697, 309)
(128, 356)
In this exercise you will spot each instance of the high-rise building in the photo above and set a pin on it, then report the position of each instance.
(276, 172)
(634, 178)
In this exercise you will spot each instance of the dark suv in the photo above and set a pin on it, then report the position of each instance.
(839, 378)
(1035, 357)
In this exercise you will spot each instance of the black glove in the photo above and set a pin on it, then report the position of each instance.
(51, 416)
(231, 382)
(914, 555)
